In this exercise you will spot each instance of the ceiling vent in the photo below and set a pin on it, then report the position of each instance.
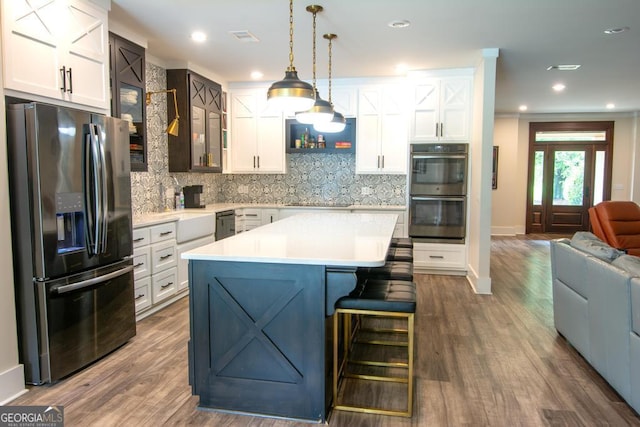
(244, 36)
(563, 67)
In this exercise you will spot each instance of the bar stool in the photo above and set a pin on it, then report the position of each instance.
(374, 298)
(401, 242)
(400, 254)
(392, 270)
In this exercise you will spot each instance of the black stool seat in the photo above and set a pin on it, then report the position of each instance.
(400, 254)
(402, 242)
(381, 295)
(392, 270)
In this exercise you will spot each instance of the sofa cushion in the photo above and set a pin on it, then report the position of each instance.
(628, 263)
(589, 243)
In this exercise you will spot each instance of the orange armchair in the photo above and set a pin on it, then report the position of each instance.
(618, 224)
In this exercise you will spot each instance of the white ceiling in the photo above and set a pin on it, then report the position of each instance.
(531, 36)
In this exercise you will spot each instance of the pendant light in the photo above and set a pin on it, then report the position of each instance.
(291, 93)
(321, 111)
(338, 123)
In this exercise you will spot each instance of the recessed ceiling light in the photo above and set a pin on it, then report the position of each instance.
(256, 75)
(564, 67)
(198, 36)
(523, 108)
(400, 23)
(611, 106)
(612, 31)
(558, 87)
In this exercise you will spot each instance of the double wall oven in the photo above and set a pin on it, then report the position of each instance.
(438, 193)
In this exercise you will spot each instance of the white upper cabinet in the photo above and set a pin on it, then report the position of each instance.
(257, 134)
(343, 98)
(441, 109)
(57, 49)
(382, 144)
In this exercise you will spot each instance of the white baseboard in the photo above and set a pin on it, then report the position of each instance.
(480, 285)
(507, 230)
(12, 384)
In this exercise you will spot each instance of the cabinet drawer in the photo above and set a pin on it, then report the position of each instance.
(163, 232)
(439, 256)
(163, 256)
(164, 285)
(142, 294)
(141, 262)
(141, 237)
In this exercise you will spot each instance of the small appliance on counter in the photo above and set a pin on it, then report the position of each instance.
(192, 197)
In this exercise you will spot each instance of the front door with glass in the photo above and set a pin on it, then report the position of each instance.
(569, 171)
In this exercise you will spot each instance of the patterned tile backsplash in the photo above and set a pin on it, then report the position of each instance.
(312, 179)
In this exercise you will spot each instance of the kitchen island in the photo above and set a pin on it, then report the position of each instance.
(260, 311)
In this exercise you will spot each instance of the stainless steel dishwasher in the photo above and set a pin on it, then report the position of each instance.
(225, 224)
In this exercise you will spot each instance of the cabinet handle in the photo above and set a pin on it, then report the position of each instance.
(165, 257)
(441, 130)
(63, 75)
(70, 80)
(256, 215)
(138, 265)
(164, 233)
(437, 129)
(139, 296)
(139, 239)
(382, 162)
(258, 162)
(166, 286)
(436, 257)
(378, 163)
(254, 162)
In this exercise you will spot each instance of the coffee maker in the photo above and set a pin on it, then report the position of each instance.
(192, 196)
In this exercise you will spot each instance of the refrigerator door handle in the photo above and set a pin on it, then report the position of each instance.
(91, 191)
(57, 290)
(102, 195)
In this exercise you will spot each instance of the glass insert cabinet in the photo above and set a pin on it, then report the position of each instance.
(198, 146)
(127, 73)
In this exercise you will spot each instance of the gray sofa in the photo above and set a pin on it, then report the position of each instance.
(596, 307)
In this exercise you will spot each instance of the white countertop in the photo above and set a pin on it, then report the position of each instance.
(154, 218)
(334, 239)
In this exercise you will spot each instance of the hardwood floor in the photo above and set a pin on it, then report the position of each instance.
(490, 360)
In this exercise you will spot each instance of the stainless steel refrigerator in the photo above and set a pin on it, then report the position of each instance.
(70, 195)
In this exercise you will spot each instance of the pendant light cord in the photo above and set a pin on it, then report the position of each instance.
(291, 67)
(330, 43)
(314, 50)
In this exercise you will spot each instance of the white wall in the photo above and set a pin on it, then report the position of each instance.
(481, 152)
(512, 136)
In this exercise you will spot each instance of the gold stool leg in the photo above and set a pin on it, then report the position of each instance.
(347, 336)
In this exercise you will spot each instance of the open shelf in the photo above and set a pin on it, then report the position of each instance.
(348, 135)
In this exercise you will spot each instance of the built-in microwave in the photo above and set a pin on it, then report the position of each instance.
(438, 170)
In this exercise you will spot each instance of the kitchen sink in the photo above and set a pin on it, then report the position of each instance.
(193, 225)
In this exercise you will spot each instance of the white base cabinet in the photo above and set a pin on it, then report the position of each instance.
(155, 274)
(440, 258)
(183, 264)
